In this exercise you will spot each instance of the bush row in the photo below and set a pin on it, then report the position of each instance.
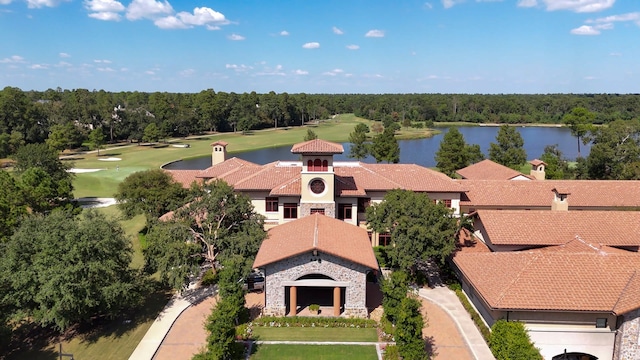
(484, 330)
(300, 321)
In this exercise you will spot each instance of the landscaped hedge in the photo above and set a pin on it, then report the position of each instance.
(510, 341)
(484, 330)
(300, 321)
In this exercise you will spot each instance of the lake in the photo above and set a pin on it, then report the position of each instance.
(422, 151)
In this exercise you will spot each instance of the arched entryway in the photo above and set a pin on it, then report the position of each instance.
(574, 356)
(317, 289)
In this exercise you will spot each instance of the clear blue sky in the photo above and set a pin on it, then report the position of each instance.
(322, 46)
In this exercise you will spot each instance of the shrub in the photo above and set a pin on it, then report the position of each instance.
(209, 278)
(314, 307)
(409, 330)
(510, 341)
(301, 321)
(391, 352)
(394, 289)
(484, 330)
(381, 256)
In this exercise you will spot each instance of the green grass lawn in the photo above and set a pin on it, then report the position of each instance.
(136, 158)
(305, 352)
(315, 334)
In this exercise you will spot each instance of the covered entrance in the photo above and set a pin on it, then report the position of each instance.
(316, 289)
(574, 356)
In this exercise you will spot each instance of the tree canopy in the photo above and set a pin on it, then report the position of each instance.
(508, 149)
(12, 205)
(454, 153)
(310, 135)
(385, 147)
(358, 138)
(615, 153)
(419, 228)
(151, 192)
(580, 121)
(557, 165)
(62, 269)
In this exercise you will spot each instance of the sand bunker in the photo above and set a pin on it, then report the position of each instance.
(91, 202)
(81, 171)
(110, 159)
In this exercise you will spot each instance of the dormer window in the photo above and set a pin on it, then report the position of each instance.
(317, 165)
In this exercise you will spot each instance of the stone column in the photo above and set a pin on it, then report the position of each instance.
(293, 301)
(336, 301)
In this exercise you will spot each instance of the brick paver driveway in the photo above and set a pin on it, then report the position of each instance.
(187, 335)
(444, 340)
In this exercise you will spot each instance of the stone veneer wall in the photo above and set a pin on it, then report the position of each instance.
(627, 345)
(329, 209)
(337, 268)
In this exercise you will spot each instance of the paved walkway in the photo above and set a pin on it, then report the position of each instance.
(446, 347)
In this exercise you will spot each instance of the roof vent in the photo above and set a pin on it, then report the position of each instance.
(560, 199)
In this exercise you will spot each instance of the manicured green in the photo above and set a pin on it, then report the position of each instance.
(136, 158)
(309, 352)
(315, 334)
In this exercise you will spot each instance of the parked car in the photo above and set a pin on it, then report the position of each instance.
(254, 282)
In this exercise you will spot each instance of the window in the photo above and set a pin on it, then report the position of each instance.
(363, 204)
(384, 239)
(344, 211)
(447, 202)
(317, 165)
(271, 204)
(316, 211)
(290, 210)
(316, 186)
(601, 322)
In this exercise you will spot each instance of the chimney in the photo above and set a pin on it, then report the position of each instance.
(560, 202)
(537, 169)
(219, 152)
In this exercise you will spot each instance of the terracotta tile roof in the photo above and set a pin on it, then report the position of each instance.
(544, 227)
(317, 232)
(184, 177)
(548, 280)
(219, 142)
(584, 193)
(317, 146)
(413, 177)
(347, 186)
(488, 170)
(226, 167)
(268, 177)
(292, 188)
(536, 162)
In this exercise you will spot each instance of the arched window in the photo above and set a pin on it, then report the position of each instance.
(317, 165)
(325, 165)
(310, 165)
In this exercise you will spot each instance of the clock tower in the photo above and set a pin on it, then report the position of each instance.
(317, 188)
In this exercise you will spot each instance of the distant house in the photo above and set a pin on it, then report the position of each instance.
(490, 170)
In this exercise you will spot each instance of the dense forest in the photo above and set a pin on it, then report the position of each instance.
(65, 118)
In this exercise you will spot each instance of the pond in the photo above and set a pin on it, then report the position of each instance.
(422, 151)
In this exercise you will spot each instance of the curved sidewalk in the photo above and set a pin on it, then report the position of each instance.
(449, 302)
(152, 340)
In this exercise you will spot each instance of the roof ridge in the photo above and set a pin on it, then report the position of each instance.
(263, 168)
(506, 288)
(365, 166)
(635, 273)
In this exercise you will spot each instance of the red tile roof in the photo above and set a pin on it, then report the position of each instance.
(488, 170)
(545, 227)
(595, 280)
(268, 177)
(536, 162)
(592, 194)
(317, 146)
(405, 176)
(184, 177)
(219, 142)
(317, 232)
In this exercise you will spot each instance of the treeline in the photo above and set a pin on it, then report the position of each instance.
(66, 117)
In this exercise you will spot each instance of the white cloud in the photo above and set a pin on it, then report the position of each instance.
(634, 16)
(36, 4)
(527, 3)
(170, 22)
(301, 72)
(39, 66)
(585, 30)
(5, 2)
(333, 72)
(148, 9)
(12, 60)
(428, 6)
(150, 72)
(337, 31)
(203, 16)
(105, 69)
(311, 45)
(277, 71)
(580, 6)
(284, 33)
(238, 68)
(590, 77)
(64, 55)
(450, 3)
(106, 16)
(235, 37)
(187, 72)
(102, 61)
(374, 33)
(353, 47)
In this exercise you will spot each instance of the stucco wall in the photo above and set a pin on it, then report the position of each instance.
(628, 338)
(337, 268)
